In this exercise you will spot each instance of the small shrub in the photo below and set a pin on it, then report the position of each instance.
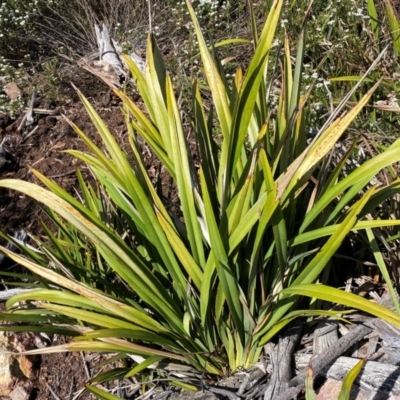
(209, 285)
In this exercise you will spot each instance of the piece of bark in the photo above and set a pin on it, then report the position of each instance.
(107, 50)
(382, 379)
(390, 336)
(341, 346)
(281, 359)
(372, 345)
(110, 54)
(141, 64)
(296, 385)
(325, 335)
(375, 376)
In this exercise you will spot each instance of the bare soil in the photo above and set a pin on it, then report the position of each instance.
(44, 150)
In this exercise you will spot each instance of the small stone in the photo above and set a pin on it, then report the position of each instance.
(19, 393)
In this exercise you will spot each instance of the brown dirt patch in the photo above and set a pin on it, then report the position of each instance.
(43, 147)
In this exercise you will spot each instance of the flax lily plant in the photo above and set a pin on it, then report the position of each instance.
(208, 284)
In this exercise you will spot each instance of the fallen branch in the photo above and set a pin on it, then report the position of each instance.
(6, 294)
